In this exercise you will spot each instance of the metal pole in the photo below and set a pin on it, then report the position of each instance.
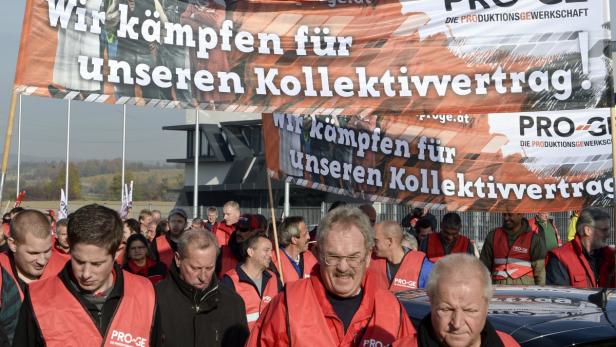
(68, 141)
(287, 204)
(7, 142)
(123, 146)
(19, 148)
(196, 192)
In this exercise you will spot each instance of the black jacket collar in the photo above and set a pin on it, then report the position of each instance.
(201, 299)
(427, 338)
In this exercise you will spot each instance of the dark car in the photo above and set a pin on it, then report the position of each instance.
(542, 316)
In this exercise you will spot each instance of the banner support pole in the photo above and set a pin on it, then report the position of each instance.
(123, 149)
(287, 203)
(7, 142)
(68, 147)
(276, 244)
(18, 149)
(196, 188)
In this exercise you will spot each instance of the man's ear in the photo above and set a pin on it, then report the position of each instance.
(587, 230)
(250, 252)
(12, 244)
(177, 259)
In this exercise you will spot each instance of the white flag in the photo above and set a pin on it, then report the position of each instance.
(63, 212)
(127, 200)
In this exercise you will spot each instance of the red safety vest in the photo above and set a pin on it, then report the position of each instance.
(535, 228)
(513, 262)
(165, 252)
(581, 275)
(436, 250)
(54, 266)
(307, 324)
(255, 303)
(223, 233)
(64, 322)
(228, 261)
(288, 270)
(408, 273)
(61, 252)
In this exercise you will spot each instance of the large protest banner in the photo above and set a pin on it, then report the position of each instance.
(354, 56)
(493, 105)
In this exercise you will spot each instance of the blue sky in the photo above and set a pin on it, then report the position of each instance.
(95, 129)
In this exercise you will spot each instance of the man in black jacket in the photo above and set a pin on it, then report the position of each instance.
(193, 310)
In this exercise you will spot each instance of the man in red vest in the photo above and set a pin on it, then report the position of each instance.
(343, 304)
(297, 262)
(212, 219)
(61, 245)
(231, 214)
(514, 253)
(586, 261)
(251, 279)
(164, 246)
(91, 302)
(460, 290)
(398, 268)
(448, 241)
(30, 258)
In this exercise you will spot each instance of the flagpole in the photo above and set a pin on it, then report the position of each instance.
(18, 148)
(287, 204)
(68, 141)
(7, 142)
(123, 145)
(196, 190)
(276, 244)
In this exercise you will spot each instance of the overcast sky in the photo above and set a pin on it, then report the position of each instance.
(96, 130)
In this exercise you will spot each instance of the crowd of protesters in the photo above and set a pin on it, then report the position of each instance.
(94, 279)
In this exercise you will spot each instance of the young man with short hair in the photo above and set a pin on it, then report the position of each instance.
(91, 302)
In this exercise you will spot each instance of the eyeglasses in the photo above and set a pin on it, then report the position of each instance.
(352, 261)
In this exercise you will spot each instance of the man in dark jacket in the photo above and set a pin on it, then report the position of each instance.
(193, 310)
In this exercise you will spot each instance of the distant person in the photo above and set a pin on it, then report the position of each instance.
(193, 309)
(231, 214)
(137, 260)
(543, 225)
(212, 218)
(296, 262)
(197, 223)
(409, 241)
(423, 229)
(370, 212)
(341, 305)
(586, 261)
(448, 240)
(571, 229)
(131, 226)
(150, 235)
(514, 253)
(91, 300)
(460, 290)
(165, 246)
(156, 216)
(252, 280)
(61, 245)
(145, 218)
(162, 228)
(398, 268)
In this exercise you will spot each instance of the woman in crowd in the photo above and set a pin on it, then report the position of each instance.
(137, 260)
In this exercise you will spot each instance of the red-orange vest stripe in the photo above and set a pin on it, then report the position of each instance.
(165, 252)
(513, 262)
(311, 328)
(64, 322)
(408, 273)
(436, 250)
(581, 275)
(254, 303)
(228, 261)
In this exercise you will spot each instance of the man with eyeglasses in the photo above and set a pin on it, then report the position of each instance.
(398, 268)
(342, 304)
(448, 241)
(586, 261)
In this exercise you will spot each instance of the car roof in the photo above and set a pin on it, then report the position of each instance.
(539, 316)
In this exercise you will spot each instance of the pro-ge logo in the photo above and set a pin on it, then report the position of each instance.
(373, 343)
(267, 299)
(404, 283)
(519, 249)
(334, 3)
(119, 338)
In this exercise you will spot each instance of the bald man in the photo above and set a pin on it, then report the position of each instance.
(399, 268)
(30, 259)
